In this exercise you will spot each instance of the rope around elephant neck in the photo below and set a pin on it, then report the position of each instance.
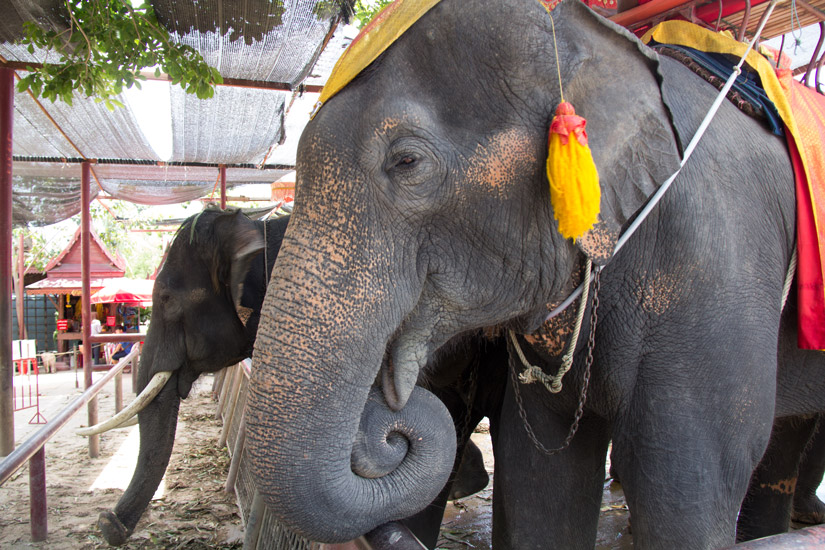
(786, 289)
(657, 196)
(533, 373)
(591, 343)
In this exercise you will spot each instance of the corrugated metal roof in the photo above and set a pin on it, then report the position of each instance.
(270, 43)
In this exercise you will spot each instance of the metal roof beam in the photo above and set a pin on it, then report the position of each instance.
(232, 82)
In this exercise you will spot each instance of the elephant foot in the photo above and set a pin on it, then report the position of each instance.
(472, 476)
(808, 510)
(113, 530)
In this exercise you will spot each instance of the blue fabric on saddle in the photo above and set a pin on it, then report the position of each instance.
(748, 85)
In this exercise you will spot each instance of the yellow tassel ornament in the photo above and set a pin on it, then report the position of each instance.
(574, 181)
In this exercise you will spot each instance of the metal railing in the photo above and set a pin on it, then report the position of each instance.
(33, 449)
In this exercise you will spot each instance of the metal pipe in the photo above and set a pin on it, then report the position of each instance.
(28, 448)
(86, 294)
(812, 63)
(646, 11)
(150, 75)
(6, 365)
(390, 536)
(20, 291)
(740, 36)
(119, 392)
(810, 538)
(38, 507)
(223, 186)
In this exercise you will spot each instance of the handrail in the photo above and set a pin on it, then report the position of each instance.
(30, 446)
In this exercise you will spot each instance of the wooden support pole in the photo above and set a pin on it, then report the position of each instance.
(6, 365)
(235, 463)
(86, 290)
(232, 404)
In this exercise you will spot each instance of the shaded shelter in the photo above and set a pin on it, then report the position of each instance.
(64, 282)
(63, 156)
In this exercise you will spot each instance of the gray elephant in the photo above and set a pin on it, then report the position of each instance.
(213, 276)
(423, 211)
(207, 305)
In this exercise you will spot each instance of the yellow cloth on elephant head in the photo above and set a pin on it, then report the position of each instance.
(377, 36)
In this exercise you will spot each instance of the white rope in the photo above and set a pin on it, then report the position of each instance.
(533, 373)
(657, 196)
(789, 278)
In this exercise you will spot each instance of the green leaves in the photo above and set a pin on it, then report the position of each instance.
(106, 45)
(365, 10)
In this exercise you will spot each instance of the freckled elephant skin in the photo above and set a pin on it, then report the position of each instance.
(423, 205)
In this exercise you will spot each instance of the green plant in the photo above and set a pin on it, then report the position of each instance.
(365, 10)
(106, 45)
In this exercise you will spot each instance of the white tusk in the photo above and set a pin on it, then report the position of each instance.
(128, 423)
(117, 421)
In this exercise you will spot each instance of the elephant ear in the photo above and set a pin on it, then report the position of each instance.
(241, 240)
(616, 86)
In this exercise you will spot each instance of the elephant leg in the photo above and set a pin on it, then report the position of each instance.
(684, 470)
(540, 500)
(807, 508)
(471, 476)
(766, 509)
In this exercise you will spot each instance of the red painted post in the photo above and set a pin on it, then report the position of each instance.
(86, 289)
(6, 365)
(223, 187)
(20, 291)
(38, 509)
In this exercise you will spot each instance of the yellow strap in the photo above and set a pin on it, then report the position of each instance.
(683, 33)
(377, 36)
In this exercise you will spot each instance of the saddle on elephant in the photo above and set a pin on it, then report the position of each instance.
(802, 112)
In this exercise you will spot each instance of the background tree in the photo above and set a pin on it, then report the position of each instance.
(103, 49)
(365, 10)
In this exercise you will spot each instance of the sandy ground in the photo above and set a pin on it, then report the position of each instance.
(191, 510)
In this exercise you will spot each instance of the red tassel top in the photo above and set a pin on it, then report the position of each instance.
(567, 122)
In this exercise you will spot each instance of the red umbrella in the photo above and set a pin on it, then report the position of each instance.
(124, 290)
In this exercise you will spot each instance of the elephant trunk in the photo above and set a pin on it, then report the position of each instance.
(158, 421)
(331, 459)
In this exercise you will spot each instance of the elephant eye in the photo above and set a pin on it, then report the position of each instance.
(411, 161)
(404, 161)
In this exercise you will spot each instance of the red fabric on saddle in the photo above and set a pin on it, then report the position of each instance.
(809, 280)
(809, 114)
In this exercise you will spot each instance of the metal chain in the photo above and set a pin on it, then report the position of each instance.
(472, 391)
(591, 342)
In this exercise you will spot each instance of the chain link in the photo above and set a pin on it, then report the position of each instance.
(471, 393)
(591, 343)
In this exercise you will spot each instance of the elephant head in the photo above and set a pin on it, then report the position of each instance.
(422, 211)
(212, 271)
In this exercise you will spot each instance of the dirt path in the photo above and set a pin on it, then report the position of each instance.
(194, 512)
(191, 509)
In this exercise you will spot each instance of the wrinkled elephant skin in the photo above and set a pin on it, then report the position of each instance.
(423, 211)
(188, 309)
